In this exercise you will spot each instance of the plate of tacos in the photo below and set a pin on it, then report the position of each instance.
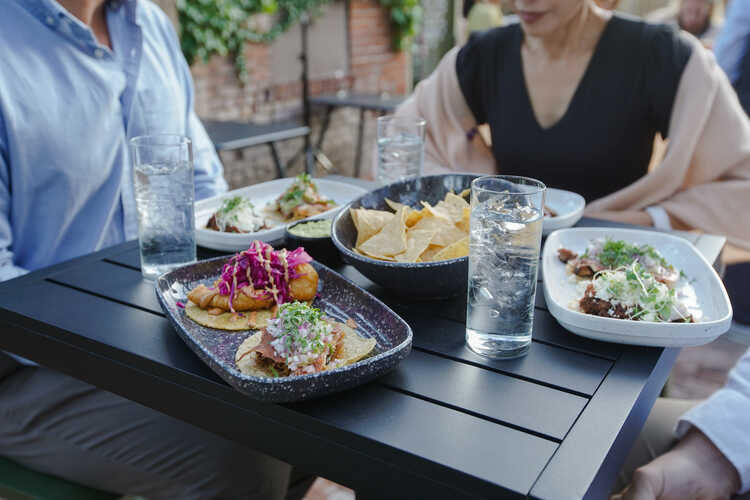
(281, 327)
(231, 221)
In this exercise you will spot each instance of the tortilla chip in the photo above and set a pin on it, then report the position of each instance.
(391, 240)
(465, 193)
(458, 249)
(417, 241)
(454, 206)
(369, 222)
(432, 221)
(395, 205)
(353, 349)
(246, 320)
(464, 224)
(428, 254)
(414, 216)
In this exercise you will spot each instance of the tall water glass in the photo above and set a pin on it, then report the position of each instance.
(164, 194)
(504, 241)
(400, 148)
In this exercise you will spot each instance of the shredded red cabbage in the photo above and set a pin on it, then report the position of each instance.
(266, 269)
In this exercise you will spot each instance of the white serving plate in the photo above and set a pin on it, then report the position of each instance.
(262, 194)
(711, 296)
(568, 205)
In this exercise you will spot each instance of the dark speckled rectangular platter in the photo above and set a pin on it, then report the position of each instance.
(338, 297)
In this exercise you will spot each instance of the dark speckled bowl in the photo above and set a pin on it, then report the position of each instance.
(425, 280)
(338, 297)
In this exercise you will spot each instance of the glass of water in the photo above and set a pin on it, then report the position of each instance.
(164, 193)
(400, 148)
(504, 241)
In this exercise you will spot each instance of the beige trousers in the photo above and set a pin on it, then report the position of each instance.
(656, 438)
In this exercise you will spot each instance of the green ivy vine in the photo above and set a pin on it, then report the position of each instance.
(223, 27)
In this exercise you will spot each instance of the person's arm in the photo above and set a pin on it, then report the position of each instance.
(451, 143)
(209, 173)
(712, 458)
(703, 180)
(8, 269)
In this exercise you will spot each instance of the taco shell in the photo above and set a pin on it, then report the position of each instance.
(248, 320)
(353, 349)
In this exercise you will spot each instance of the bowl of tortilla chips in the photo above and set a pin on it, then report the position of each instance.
(411, 236)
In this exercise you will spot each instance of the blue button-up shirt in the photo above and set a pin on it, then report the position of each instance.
(731, 43)
(68, 106)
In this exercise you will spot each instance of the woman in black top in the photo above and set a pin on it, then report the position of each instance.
(580, 116)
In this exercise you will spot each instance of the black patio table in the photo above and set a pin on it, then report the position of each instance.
(445, 424)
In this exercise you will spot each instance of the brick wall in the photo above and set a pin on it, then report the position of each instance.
(372, 67)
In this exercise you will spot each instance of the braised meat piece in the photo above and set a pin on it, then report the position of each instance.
(590, 304)
(213, 225)
(565, 255)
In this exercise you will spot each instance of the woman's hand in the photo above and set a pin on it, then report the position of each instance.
(694, 469)
(637, 217)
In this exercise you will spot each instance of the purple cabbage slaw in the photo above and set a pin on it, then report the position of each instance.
(252, 266)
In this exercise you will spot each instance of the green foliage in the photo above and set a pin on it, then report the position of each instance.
(405, 16)
(222, 27)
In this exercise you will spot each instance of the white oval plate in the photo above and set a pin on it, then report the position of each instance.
(260, 195)
(568, 205)
(712, 298)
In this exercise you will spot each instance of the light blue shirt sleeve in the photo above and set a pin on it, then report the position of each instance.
(724, 418)
(8, 269)
(209, 173)
(731, 43)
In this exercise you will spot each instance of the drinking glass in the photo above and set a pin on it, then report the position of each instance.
(164, 193)
(400, 148)
(504, 241)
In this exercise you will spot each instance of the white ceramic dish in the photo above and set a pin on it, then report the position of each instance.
(262, 194)
(568, 205)
(712, 299)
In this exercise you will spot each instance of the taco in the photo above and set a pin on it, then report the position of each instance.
(255, 280)
(300, 340)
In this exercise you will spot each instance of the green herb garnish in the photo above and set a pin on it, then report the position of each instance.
(233, 203)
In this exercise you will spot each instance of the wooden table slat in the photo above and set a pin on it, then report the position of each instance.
(522, 404)
(131, 257)
(560, 368)
(118, 283)
(485, 450)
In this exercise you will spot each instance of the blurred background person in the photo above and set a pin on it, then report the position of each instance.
(694, 16)
(480, 15)
(731, 49)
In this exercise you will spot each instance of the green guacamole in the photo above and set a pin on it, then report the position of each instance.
(312, 229)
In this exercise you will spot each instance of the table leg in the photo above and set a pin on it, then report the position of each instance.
(277, 162)
(360, 138)
(324, 127)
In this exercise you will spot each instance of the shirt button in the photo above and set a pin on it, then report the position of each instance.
(132, 53)
(50, 20)
(98, 53)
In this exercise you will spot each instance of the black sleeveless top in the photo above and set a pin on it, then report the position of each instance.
(603, 141)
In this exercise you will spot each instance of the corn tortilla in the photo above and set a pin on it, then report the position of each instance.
(247, 320)
(353, 349)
